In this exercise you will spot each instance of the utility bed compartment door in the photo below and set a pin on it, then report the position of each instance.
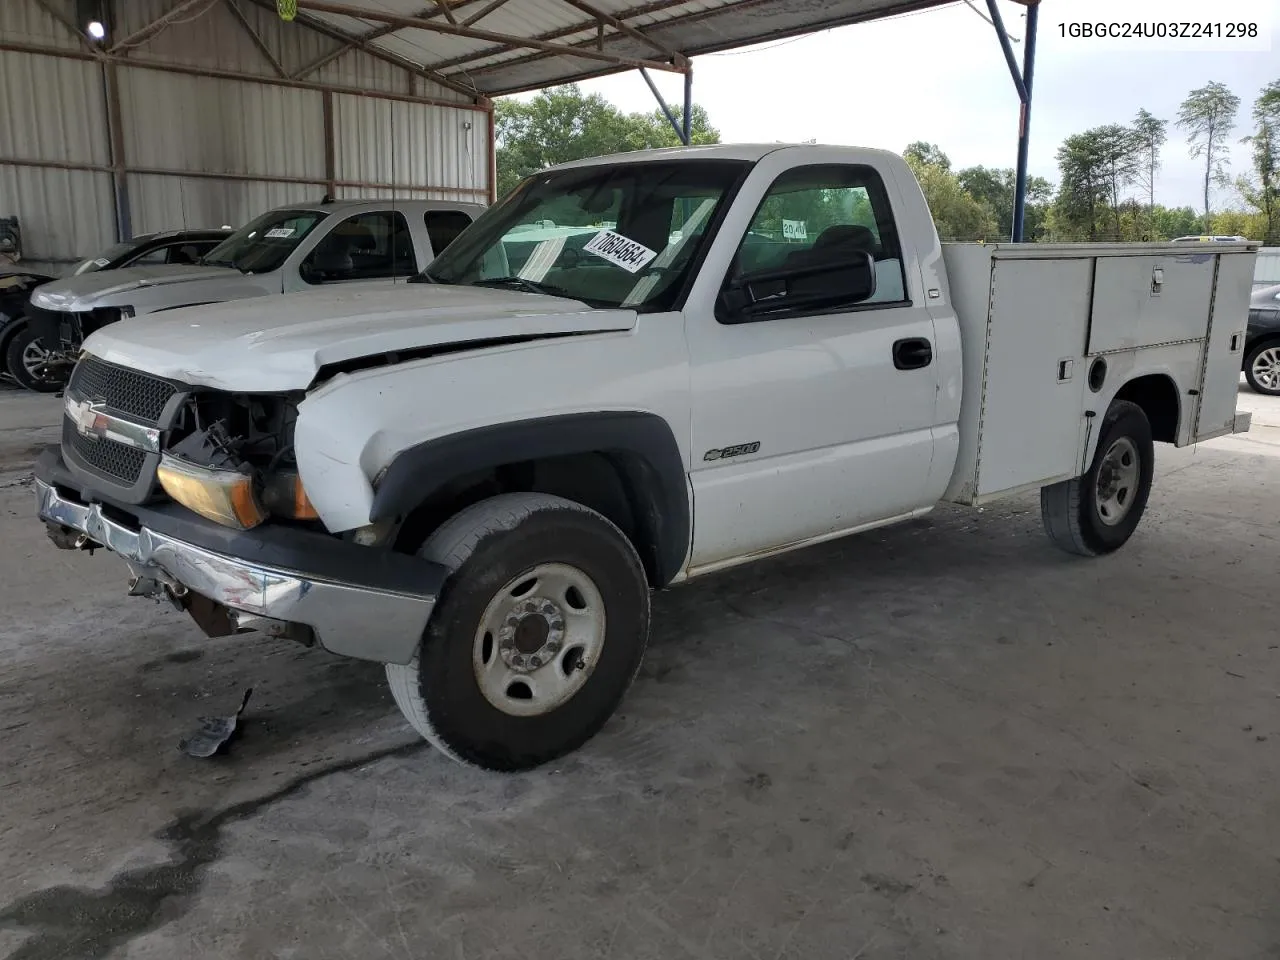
(1149, 300)
(1224, 354)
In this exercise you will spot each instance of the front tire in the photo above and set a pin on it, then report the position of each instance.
(24, 351)
(1262, 368)
(1098, 512)
(535, 637)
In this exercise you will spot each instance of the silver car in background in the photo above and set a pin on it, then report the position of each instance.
(289, 249)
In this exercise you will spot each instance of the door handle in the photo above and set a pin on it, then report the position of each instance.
(912, 353)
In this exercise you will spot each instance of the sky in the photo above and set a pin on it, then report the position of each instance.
(940, 76)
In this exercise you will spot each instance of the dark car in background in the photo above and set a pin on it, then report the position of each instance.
(1262, 341)
(22, 353)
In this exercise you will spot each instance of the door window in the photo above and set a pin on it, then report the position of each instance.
(189, 252)
(443, 226)
(148, 258)
(368, 246)
(825, 214)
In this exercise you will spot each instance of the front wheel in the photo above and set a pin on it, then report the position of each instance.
(28, 362)
(535, 637)
(1098, 512)
(1262, 368)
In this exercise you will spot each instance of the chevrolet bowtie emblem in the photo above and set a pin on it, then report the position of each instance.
(88, 417)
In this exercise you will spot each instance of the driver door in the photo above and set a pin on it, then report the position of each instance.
(809, 422)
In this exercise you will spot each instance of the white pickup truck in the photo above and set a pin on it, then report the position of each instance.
(478, 478)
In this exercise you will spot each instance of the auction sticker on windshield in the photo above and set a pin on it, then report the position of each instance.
(621, 252)
(279, 233)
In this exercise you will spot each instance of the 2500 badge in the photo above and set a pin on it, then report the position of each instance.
(737, 450)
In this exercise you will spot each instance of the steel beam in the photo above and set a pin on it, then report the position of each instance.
(119, 169)
(622, 27)
(256, 37)
(671, 117)
(688, 107)
(74, 30)
(458, 30)
(238, 177)
(350, 42)
(142, 34)
(483, 12)
(1022, 79)
(162, 67)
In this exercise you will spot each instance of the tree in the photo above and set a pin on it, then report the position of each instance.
(563, 124)
(1170, 222)
(994, 188)
(927, 155)
(957, 215)
(1207, 115)
(1261, 188)
(1151, 133)
(1119, 150)
(1083, 187)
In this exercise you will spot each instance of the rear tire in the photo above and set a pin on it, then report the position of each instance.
(1262, 368)
(535, 637)
(1098, 512)
(25, 348)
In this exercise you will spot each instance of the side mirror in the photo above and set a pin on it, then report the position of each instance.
(825, 283)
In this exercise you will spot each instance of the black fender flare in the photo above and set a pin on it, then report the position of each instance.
(640, 445)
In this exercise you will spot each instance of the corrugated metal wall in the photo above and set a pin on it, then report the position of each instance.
(210, 150)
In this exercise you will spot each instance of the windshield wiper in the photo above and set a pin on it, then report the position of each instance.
(520, 283)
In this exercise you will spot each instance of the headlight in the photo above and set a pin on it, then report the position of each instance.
(223, 496)
(283, 495)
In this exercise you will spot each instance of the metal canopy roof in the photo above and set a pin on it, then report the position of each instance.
(497, 47)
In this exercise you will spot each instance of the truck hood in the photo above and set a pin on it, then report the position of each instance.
(280, 342)
(90, 290)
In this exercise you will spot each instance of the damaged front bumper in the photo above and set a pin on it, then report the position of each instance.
(357, 601)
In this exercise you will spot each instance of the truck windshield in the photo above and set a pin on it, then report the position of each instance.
(625, 234)
(262, 245)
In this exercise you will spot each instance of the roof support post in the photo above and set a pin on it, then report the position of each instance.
(681, 132)
(1022, 80)
(688, 107)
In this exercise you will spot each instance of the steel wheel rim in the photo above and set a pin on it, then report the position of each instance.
(1266, 368)
(33, 357)
(539, 640)
(1117, 483)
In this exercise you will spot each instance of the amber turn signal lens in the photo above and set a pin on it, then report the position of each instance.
(284, 495)
(223, 496)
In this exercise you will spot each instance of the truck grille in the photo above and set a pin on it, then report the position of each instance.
(134, 394)
(107, 457)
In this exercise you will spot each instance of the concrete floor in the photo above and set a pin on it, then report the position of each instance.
(943, 740)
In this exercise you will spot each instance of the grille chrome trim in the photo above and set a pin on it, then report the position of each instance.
(91, 420)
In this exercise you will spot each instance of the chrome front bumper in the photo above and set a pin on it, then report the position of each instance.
(361, 621)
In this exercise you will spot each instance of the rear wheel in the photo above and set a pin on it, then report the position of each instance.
(1098, 512)
(1262, 368)
(536, 635)
(25, 358)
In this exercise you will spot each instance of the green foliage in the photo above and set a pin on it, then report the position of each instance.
(1260, 188)
(921, 154)
(1151, 133)
(957, 214)
(1083, 190)
(563, 124)
(1207, 115)
(994, 189)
